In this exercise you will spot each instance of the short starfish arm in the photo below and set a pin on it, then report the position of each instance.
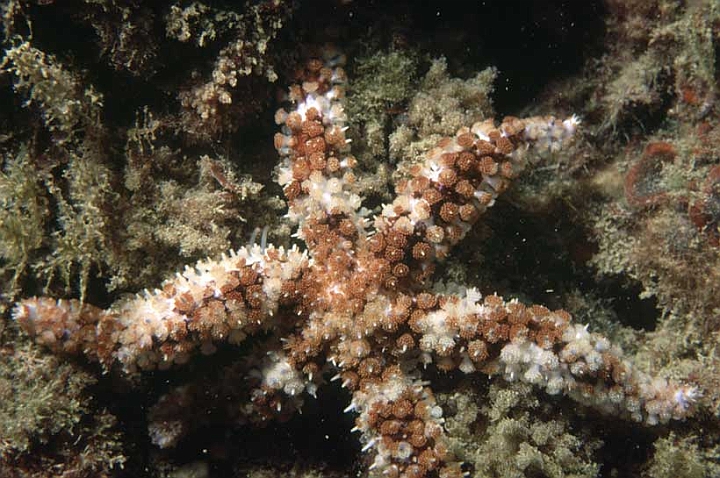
(316, 168)
(541, 347)
(262, 386)
(403, 425)
(212, 302)
(455, 184)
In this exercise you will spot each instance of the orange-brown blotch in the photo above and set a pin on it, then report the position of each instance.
(405, 342)
(421, 251)
(465, 140)
(400, 270)
(432, 196)
(390, 427)
(350, 380)
(449, 211)
(504, 145)
(402, 408)
(484, 148)
(394, 254)
(448, 159)
(312, 128)
(466, 161)
(333, 164)
(312, 113)
(347, 228)
(314, 145)
(317, 161)
(292, 191)
(488, 166)
(477, 350)
(301, 169)
(447, 177)
(396, 238)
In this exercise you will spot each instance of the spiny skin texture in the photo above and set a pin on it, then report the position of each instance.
(358, 303)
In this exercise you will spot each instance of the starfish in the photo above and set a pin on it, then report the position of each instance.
(357, 303)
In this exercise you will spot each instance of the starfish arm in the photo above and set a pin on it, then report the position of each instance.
(456, 183)
(262, 386)
(402, 424)
(210, 303)
(316, 167)
(545, 348)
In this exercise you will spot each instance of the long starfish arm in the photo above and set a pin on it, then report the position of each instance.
(542, 347)
(212, 302)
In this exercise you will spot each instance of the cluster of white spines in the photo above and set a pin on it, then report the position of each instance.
(330, 195)
(276, 373)
(440, 328)
(550, 133)
(528, 362)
